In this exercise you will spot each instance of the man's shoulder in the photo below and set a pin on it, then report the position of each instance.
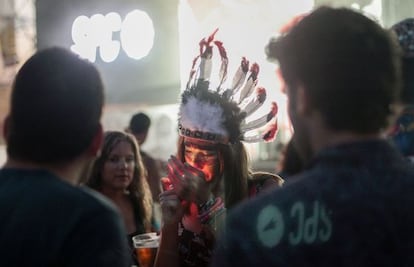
(281, 218)
(44, 189)
(146, 157)
(273, 209)
(86, 202)
(63, 219)
(262, 203)
(258, 223)
(96, 199)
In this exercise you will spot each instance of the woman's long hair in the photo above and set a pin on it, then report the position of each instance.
(138, 189)
(234, 168)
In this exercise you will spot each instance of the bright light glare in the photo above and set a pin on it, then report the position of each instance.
(84, 46)
(109, 49)
(375, 9)
(245, 27)
(137, 34)
(113, 21)
(356, 6)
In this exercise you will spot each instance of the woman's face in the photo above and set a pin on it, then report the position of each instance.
(118, 169)
(202, 155)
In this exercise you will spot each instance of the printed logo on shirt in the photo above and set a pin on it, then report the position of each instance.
(270, 226)
(309, 228)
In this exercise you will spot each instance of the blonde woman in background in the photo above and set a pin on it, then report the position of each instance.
(118, 173)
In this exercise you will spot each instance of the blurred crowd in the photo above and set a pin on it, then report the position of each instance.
(72, 194)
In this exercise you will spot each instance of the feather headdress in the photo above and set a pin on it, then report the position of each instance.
(219, 114)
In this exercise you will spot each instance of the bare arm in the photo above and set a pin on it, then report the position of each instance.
(172, 212)
(167, 254)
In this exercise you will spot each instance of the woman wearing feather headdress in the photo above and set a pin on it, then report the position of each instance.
(210, 172)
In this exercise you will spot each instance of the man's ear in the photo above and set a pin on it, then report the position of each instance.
(302, 101)
(95, 147)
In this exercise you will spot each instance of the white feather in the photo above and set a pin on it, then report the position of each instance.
(205, 68)
(202, 116)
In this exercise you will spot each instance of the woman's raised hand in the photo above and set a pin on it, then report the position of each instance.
(172, 209)
(188, 182)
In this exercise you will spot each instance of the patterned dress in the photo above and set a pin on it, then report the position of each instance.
(196, 249)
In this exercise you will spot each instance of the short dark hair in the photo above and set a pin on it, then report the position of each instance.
(347, 62)
(139, 123)
(56, 107)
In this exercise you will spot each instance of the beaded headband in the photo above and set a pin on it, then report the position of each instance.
(219, 114)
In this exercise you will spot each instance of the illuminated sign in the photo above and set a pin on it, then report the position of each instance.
(136, 35)
(133, 43)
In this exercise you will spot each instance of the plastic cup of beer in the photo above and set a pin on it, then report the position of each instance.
(146, 246)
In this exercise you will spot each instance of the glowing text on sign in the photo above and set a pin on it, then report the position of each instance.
(90, 34)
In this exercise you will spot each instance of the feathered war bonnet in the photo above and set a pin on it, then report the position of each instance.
(219, 114)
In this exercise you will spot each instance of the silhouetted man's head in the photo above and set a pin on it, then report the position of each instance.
(56, 106)
(139, 125)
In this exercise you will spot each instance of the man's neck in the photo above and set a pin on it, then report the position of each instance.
(68, 172)
(324, 138)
